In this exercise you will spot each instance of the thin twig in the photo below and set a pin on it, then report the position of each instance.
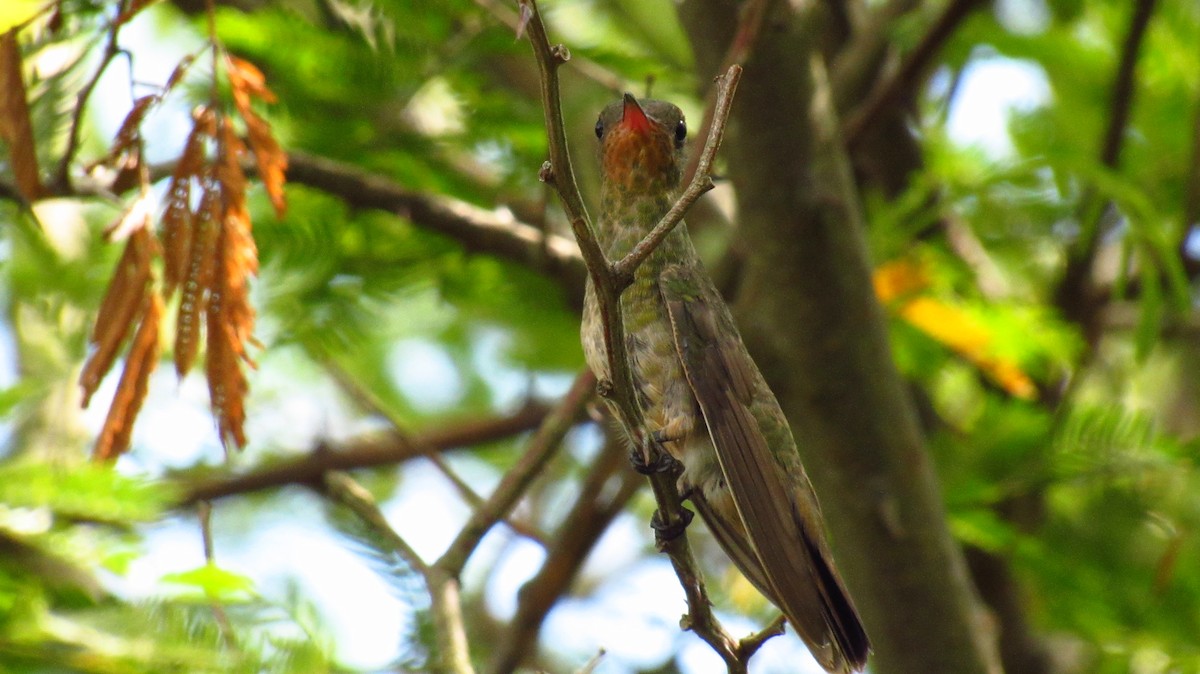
(607, 283)
(558, 172)
(748, 646)
(586, 67)
(343, 489)
(605, 492)
(371, 403)
(542, 446)
(750, 22)
(452, 652)
(1074, 295)
(910, 71)
(62, 178)
(701, 182)
(204, 513)
(370, 452)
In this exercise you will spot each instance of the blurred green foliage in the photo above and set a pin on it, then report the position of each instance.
(1090, 491)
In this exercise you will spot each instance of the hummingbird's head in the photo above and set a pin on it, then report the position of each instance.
(641, 145)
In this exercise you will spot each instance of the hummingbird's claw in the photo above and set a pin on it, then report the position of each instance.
(659, 460)
(665, 533)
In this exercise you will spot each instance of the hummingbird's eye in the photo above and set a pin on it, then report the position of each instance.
(680, 132)
(599, 128)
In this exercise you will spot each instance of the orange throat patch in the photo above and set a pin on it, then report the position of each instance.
(639, 160)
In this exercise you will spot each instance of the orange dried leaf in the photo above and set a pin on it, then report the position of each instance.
(122, 302)
(197, 284)
(247, 80)
(177, 222)
(131, 390)
(271, 159)
(226, 352)
(230, 175)
(179, 71)
(230, 316)
(226, 385)
(237, 254)
(131, 128)
(15, 126)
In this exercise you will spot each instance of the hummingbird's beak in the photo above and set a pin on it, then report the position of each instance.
(633, 117)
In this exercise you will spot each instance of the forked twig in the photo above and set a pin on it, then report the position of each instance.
(610, 279)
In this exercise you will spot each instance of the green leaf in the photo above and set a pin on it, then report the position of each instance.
(214, 582)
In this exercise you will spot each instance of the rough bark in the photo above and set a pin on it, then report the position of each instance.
(809, 315)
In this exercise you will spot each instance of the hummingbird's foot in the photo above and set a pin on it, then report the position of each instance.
(665, 533)
(660, 461)
(604, 388)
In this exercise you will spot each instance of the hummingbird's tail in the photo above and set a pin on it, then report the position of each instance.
(830, 626)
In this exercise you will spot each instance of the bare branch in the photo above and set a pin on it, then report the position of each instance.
(371, 403)
(452, 651)
(516, 481)
(477, 229)
(343, 489)
(62, 178)
(750, 645)
(911, 70)
(1074, 295)
(609, 486)
(364, 453)
(204, 513)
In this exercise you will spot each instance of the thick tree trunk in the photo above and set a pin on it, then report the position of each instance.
(810, 317)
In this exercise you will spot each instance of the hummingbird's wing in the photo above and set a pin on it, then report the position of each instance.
(778, 542)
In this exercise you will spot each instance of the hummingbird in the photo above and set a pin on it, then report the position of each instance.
(704, 400)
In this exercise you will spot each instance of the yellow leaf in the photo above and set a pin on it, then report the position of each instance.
(16, 12)
(896, 285)
(899, 278)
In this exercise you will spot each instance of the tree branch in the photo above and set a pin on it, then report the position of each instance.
(516, 481)
(62, 178)
(608, 285)
(751, 17)
(910, 72)
(452, 652)
(606, 490)
(365, 453)
(371, 404)
(858, 63)
(479, 230)
(1074, 295)
(1121, 102)
(493, 232)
